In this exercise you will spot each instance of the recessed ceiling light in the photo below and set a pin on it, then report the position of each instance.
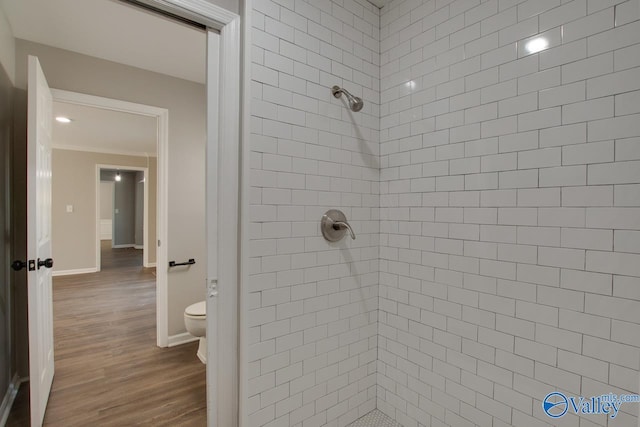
(63, 119)
(536, 45)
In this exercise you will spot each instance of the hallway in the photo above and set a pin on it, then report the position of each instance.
(108, 368)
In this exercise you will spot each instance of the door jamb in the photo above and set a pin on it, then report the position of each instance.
(162, 116)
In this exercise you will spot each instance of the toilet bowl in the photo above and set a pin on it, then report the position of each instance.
(195, 320)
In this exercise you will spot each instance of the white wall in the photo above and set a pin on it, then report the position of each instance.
(312, 305)
(186, 102)
(510, 219)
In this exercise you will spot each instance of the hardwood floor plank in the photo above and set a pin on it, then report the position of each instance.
(109, 371)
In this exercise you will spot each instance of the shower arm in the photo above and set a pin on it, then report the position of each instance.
(337, 91)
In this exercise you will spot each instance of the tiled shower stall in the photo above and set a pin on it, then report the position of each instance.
(493, 183)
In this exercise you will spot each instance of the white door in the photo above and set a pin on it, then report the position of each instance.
(39, 128)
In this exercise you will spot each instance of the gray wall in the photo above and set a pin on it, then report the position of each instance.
(19, 229)
(6, 129)
(8, 290)
(124, 210)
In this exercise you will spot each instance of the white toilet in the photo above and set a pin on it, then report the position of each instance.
(195, 320)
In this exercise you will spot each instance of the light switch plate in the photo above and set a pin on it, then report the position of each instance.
(69, 208)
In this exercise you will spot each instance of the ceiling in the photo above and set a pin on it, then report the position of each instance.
(111, 30)
(93, 129)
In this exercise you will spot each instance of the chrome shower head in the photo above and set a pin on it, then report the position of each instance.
(355, 103)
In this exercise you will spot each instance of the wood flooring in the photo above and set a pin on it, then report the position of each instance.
(108, 370)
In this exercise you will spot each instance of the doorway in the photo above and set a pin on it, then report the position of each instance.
(223, 161)
(152, 152)
(122, 213)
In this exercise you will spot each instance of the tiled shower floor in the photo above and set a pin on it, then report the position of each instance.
(374, 418)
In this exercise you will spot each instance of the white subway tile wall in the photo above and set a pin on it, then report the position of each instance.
(313, 305)
(495, 194)
(509, 209)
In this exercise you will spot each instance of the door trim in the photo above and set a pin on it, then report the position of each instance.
(162, 116)
(229, 334)
(245, 202)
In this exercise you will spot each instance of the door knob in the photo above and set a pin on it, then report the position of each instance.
(18, 265)
(48, 263)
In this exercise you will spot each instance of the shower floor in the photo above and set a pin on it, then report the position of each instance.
(374, 418)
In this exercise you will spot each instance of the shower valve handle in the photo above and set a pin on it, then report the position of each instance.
(341, 225)
(334, 225)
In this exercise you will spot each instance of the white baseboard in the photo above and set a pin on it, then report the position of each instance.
(9, 397)
(75, 271)
(180, 339)
(131, 245)
(138, 246)
(150, 265)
